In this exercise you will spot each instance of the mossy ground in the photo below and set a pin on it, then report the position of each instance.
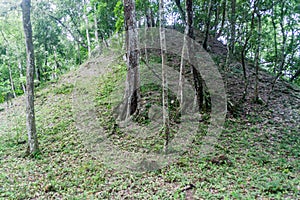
(255, 157)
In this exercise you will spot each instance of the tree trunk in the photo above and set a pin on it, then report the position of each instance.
(181, 12)
(257, 58)
(56, 65)
(217, 13)
(223, 19)
(132, 90)
(244, 52)
(30, 115)
(283, 53)
(296, 75)
(163, 46)
(232, 28)
(21, 75)
(275, 35)
(12, 85)
(189, 31)
(38, 73)
(152, 18)
(87, 30)
(207, 28)
(283, 50)
(96, 25)
(148, 18)
(78, 54)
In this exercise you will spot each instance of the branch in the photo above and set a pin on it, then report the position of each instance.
(181, 12)
(296, 75)
(69, 30)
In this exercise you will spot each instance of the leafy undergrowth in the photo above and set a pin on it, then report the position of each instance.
(252, 159)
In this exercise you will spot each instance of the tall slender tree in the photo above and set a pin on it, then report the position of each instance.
(232, 28)
(30, 115)
(257, 55)
(163, 46)
(132, 91)
(86, 20)
(207, 25)
(245, 48)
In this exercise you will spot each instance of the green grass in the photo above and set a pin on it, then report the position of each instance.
(261, 162)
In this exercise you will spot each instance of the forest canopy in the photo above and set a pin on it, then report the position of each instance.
(65, 33)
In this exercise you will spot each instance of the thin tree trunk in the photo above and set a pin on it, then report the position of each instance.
(223, 19)
(232, 27)
(56, 65)
(38, 73)
(87, 30)
(21, 75)
(283, 49)
(283, 53)
(257, 58)
(244, 51)
(207, 29)
(30, 115)
(296, 75)
(78, 53)
(152, 18)
(181, 12)
(148, 17)
(198, 82)
(12, 85)
(187, 33)
(96, 25)
(78, 39)
(217, 13)
(275, 35)
(166, 126)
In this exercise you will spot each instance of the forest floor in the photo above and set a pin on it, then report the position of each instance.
(257, 155)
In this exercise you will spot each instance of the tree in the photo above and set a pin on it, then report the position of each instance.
(163, 46)
(30, 115)
(257, 55)
(207, 25)
(245, 49)
(132, 91)
(232, 28)
(85, 3)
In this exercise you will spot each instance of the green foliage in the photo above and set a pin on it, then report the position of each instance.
(260, 161)
(119, 13)
(64, 89)
(262, 158)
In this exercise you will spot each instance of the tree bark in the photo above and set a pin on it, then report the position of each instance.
(217, 13)
(132, 90)
(21, 75)
(163, 46)
(275, 35)
(30, 115)
(223, 19)
(232, 27)
(207, 24)
(296, 75)
(283, 50)
(244, 51)
(96, 25)
(181, 12)
(11, 81)
(87, 30)
(257, 57)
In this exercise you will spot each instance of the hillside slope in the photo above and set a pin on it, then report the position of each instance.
(257, 155)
